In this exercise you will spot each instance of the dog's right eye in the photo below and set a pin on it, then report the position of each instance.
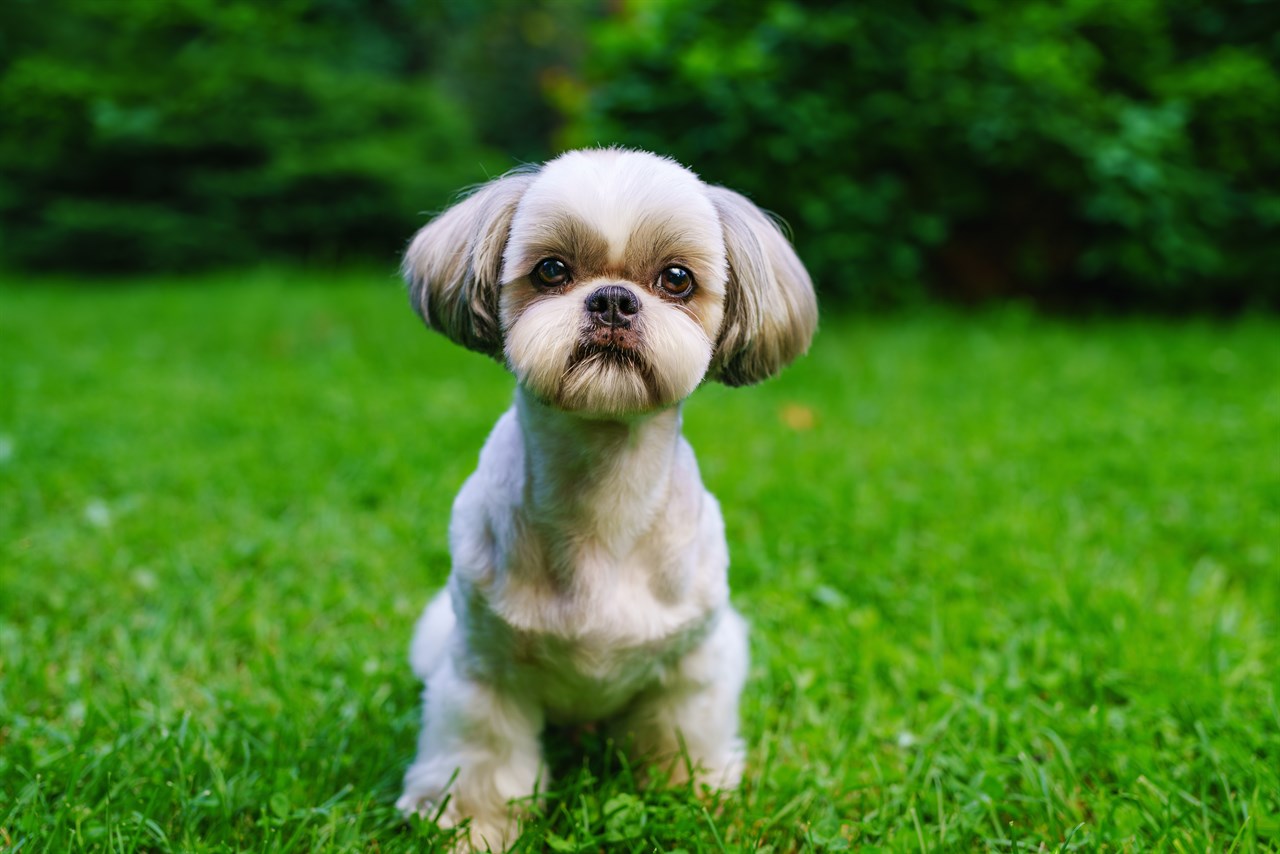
(551, 272)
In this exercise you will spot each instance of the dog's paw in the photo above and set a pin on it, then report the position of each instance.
(488, 836)
(476, 833)
(722, 775)
(719, 773)
(411, 805)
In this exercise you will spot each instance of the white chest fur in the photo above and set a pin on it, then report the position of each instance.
(586, 560)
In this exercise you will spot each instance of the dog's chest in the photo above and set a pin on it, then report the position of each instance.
(589, 678)
(588, 646)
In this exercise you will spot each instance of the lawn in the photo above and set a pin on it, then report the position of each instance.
(1014, 582)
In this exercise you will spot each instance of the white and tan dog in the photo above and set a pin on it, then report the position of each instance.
(589, 576)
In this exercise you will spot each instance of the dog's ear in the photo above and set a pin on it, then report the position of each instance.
(770, 308)
(454, 264)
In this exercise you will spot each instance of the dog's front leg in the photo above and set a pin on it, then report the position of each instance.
(490, 741)
(687, 725)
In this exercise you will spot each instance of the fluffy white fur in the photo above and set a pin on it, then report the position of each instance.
(589, 577)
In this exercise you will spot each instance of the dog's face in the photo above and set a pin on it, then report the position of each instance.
(612, 282)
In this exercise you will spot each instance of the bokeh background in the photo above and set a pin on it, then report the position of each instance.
(1078, 153)
(1008, 537)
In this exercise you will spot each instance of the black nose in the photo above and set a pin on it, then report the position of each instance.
(613, 305)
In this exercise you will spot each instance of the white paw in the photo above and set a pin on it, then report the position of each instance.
(724, 774)
(480, 833)
(490, 836)
(411, 805)
(718, 773)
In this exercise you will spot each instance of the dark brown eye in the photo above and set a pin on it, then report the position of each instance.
(676, 281)
(551, 272)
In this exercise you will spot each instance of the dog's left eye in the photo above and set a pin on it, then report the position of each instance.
(676, 281)
(551, 272)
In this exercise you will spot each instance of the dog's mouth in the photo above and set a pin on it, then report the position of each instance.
(617, 357)
(608, 372)
(609, 345)
(603, 339)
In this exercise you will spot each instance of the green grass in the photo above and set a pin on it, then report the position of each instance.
(1014, 582)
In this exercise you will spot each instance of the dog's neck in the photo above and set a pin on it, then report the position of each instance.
(606, 480)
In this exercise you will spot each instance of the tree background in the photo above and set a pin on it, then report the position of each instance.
(1077, 153)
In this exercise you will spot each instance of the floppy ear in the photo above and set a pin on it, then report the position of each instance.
(770, 309)
(454, 264)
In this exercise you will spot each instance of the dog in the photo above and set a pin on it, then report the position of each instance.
(589, 574)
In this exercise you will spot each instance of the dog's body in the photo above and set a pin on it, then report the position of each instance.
(569, 616)
(589, 576)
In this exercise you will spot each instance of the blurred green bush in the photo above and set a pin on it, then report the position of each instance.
(1063, 150)
(1066, 151)
(137, 134)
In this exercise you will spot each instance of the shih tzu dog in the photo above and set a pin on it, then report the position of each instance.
(589, 578)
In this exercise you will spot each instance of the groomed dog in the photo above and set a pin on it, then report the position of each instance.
(589, 576)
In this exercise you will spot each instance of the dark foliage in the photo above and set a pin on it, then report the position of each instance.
(1070, 152)
(1066, 151)
(143, 135)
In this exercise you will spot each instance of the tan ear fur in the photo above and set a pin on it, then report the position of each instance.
(454, 264)
(771, 311)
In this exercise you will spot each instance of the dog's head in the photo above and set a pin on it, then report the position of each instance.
(612, 282)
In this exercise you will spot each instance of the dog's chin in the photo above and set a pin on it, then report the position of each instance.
(606, 381)
(616, 374)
